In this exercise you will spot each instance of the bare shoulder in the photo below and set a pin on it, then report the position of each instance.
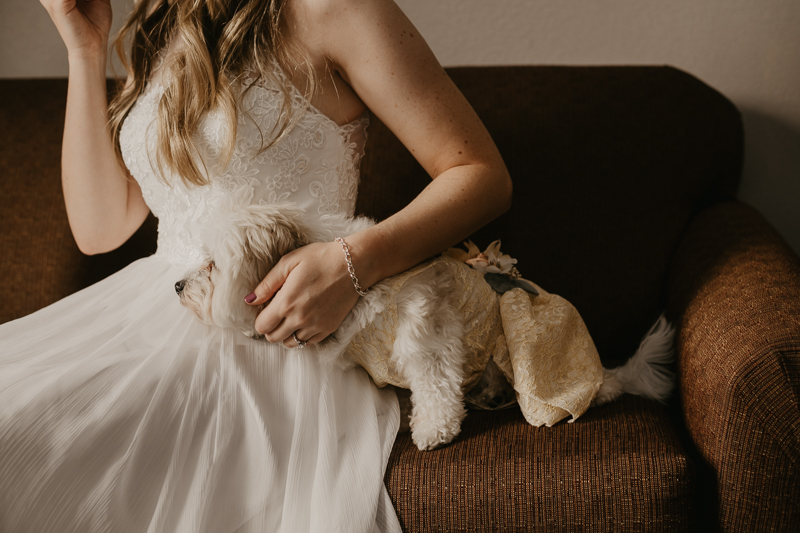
(320, 11)
(323, 24)
(387, 64)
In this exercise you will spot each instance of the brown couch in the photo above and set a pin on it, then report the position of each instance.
(625, 204)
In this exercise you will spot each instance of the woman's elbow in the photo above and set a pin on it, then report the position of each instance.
(94, 244)
(90, 248)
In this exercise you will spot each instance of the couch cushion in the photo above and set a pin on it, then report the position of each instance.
(608, 164)
(620, 467)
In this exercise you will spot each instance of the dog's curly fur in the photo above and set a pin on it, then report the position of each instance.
(249, 240)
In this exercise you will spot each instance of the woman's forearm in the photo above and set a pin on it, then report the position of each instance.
(455, 204)
(104, 206)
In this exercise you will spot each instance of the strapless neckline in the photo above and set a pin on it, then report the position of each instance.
(315, 165)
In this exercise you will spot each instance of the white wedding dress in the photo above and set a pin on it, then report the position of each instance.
(120, 412)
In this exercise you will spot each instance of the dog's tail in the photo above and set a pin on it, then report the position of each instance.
(646, 373)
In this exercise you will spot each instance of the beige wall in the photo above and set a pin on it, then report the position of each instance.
(29, 43)
(747, 49)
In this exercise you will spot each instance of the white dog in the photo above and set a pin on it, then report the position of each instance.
(428, 350)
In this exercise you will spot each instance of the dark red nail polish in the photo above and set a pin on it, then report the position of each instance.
(250, 298)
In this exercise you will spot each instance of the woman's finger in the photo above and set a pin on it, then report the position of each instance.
(301, 336)
(316, 339)
(272, 320)
(283, 331)
(84, 26)
(271, 283)
(296, 339)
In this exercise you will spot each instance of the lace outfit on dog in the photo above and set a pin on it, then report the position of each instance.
(540, 343)
(120, 412)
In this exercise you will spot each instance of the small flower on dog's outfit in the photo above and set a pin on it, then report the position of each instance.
(490, 261)
(499, 263)
(479, 262)
(471, 252)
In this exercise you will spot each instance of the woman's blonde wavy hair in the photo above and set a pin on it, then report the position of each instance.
(220, 40)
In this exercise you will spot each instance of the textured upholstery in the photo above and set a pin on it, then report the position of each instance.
(735, 296)
(620, 467)
(625, 181)
(42, 263)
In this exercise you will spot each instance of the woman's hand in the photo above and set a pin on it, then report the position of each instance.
(84, 25)
(311, 294)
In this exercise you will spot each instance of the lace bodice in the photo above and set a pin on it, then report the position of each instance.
(315, 166)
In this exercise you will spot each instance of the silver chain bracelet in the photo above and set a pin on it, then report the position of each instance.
(350, 269)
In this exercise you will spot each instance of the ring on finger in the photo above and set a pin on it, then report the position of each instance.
(300, 344)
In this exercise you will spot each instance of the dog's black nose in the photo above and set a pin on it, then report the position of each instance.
(179, 286)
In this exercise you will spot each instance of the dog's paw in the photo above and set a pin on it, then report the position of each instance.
(429, 433)
(428, 436)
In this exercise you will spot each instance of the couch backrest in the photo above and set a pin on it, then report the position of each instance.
(609, 164)
(40, 261)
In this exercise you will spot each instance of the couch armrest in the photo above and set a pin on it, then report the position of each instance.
(734, 296)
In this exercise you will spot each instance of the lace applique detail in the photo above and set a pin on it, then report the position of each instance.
(336, 189)
(315, 165)
(551, 359)
(336, 186)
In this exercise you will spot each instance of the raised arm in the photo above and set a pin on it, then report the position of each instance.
(380, 58)
(104, 206)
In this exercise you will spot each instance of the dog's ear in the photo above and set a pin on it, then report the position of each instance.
(273, 236)
(269, 232)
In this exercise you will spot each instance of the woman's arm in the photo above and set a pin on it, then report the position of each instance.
(104, 206)
(376, 50)
(391, 68)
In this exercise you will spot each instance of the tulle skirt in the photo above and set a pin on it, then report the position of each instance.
(120, 412)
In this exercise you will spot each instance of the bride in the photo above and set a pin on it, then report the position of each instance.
(119, 411)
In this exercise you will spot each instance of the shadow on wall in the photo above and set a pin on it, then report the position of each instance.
(771, 175)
